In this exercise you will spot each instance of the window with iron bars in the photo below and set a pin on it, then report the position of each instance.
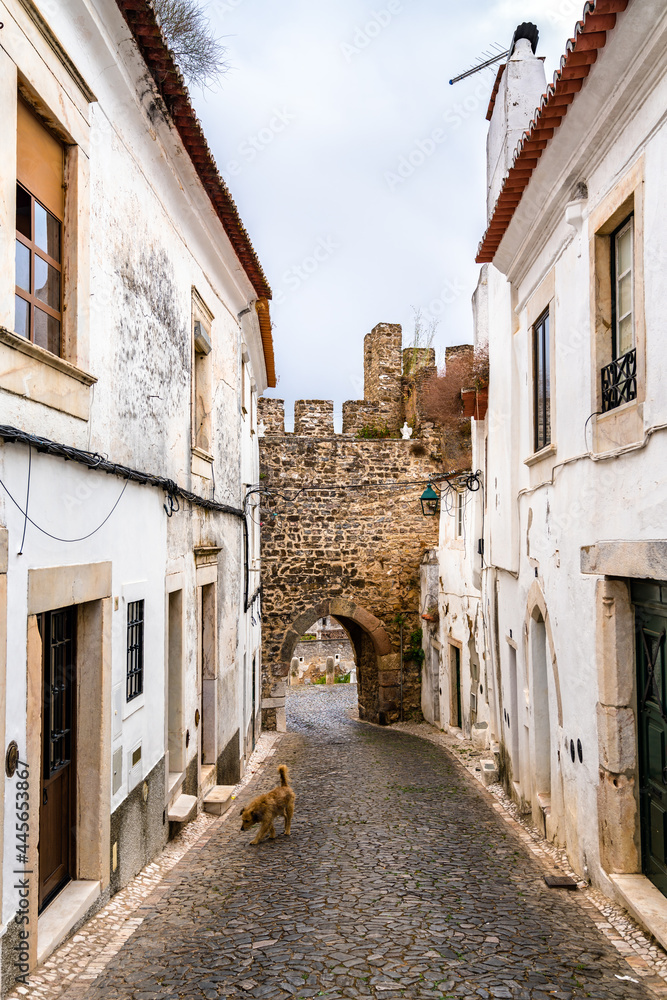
(541, 383)
(619, 378)
(135, 650)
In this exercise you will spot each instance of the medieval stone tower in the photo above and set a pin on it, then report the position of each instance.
(350, 544)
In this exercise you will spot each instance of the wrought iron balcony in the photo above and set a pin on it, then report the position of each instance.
(619, 381)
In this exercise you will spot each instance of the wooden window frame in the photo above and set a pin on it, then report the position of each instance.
(629, 221)
(35, 251)
(202, 379)
(542, 379)
(459, 514)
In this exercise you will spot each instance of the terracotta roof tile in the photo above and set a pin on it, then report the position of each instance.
(581, 51)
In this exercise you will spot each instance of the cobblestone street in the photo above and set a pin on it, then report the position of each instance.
(399, 879)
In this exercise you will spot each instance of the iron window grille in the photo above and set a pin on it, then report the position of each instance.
(619, 381)
(135, 650)
(541, 383)
(58, 637)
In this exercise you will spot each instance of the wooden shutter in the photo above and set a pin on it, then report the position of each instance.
(39, 165)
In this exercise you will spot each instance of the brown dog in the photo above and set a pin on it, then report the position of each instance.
(265, 808)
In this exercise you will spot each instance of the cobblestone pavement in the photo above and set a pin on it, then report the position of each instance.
(399, 879)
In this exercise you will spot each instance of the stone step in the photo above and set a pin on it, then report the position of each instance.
(174, 785)
(219, 799)
(207, 778)
(183, 809)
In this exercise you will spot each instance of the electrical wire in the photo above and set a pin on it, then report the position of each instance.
(27, 499)
(93, 460)
(597, 413)
(55, 537)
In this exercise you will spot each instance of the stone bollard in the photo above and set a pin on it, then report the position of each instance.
(294, 671)
(353, 675)
(330, 670)
(480, 735)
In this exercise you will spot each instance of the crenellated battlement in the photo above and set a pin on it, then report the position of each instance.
(314, 417)
(393, 380)
(272, 415)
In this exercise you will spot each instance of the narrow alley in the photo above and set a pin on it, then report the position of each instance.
(399, 879)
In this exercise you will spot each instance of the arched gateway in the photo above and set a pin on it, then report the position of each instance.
(343, 533)
(378, 665)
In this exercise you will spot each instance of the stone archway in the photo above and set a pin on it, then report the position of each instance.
(536, 604)
(378, 666)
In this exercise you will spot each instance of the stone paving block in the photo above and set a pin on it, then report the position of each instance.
(399, 879)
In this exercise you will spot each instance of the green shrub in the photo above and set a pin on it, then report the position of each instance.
(343, 679)
(414, 650)
(374, 431)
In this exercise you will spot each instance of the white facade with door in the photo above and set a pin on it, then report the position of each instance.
(133, 332)
(573, 454)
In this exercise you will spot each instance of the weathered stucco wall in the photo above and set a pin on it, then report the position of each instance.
(565, 705)
(139, 235)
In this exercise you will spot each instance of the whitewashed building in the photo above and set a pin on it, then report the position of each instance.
(572, 573)
(134, 340)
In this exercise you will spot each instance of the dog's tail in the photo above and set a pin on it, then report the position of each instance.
(284, 774)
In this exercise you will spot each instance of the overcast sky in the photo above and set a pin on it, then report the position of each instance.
(324, 129)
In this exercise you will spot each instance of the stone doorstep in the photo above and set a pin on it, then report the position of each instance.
(60, 916)
(174, 786)
(644, 902)
(273, 702)
(183, 809)
(219, 799)
(207, 778)
(544, 801)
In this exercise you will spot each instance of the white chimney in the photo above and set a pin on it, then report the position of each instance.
(521, 86)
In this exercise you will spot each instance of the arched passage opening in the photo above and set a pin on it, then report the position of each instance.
(377, 665)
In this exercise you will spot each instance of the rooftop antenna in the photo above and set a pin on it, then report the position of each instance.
(482, 65)
(525, 30)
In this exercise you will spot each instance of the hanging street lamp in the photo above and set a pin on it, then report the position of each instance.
(430, 502)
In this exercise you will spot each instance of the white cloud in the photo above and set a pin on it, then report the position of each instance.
(353, 116)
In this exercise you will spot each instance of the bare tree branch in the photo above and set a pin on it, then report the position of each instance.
(199, 53)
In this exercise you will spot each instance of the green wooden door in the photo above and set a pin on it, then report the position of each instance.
(651, 629)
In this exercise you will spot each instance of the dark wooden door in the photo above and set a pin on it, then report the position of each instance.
(58, 786)
(455, 681)
(651, 629)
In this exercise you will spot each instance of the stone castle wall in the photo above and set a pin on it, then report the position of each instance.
(315, 654)
(350, 545)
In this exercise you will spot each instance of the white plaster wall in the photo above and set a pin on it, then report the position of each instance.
(541, 516)
(151, 236)
(521, 86)
(69, 500)
(461, 567)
